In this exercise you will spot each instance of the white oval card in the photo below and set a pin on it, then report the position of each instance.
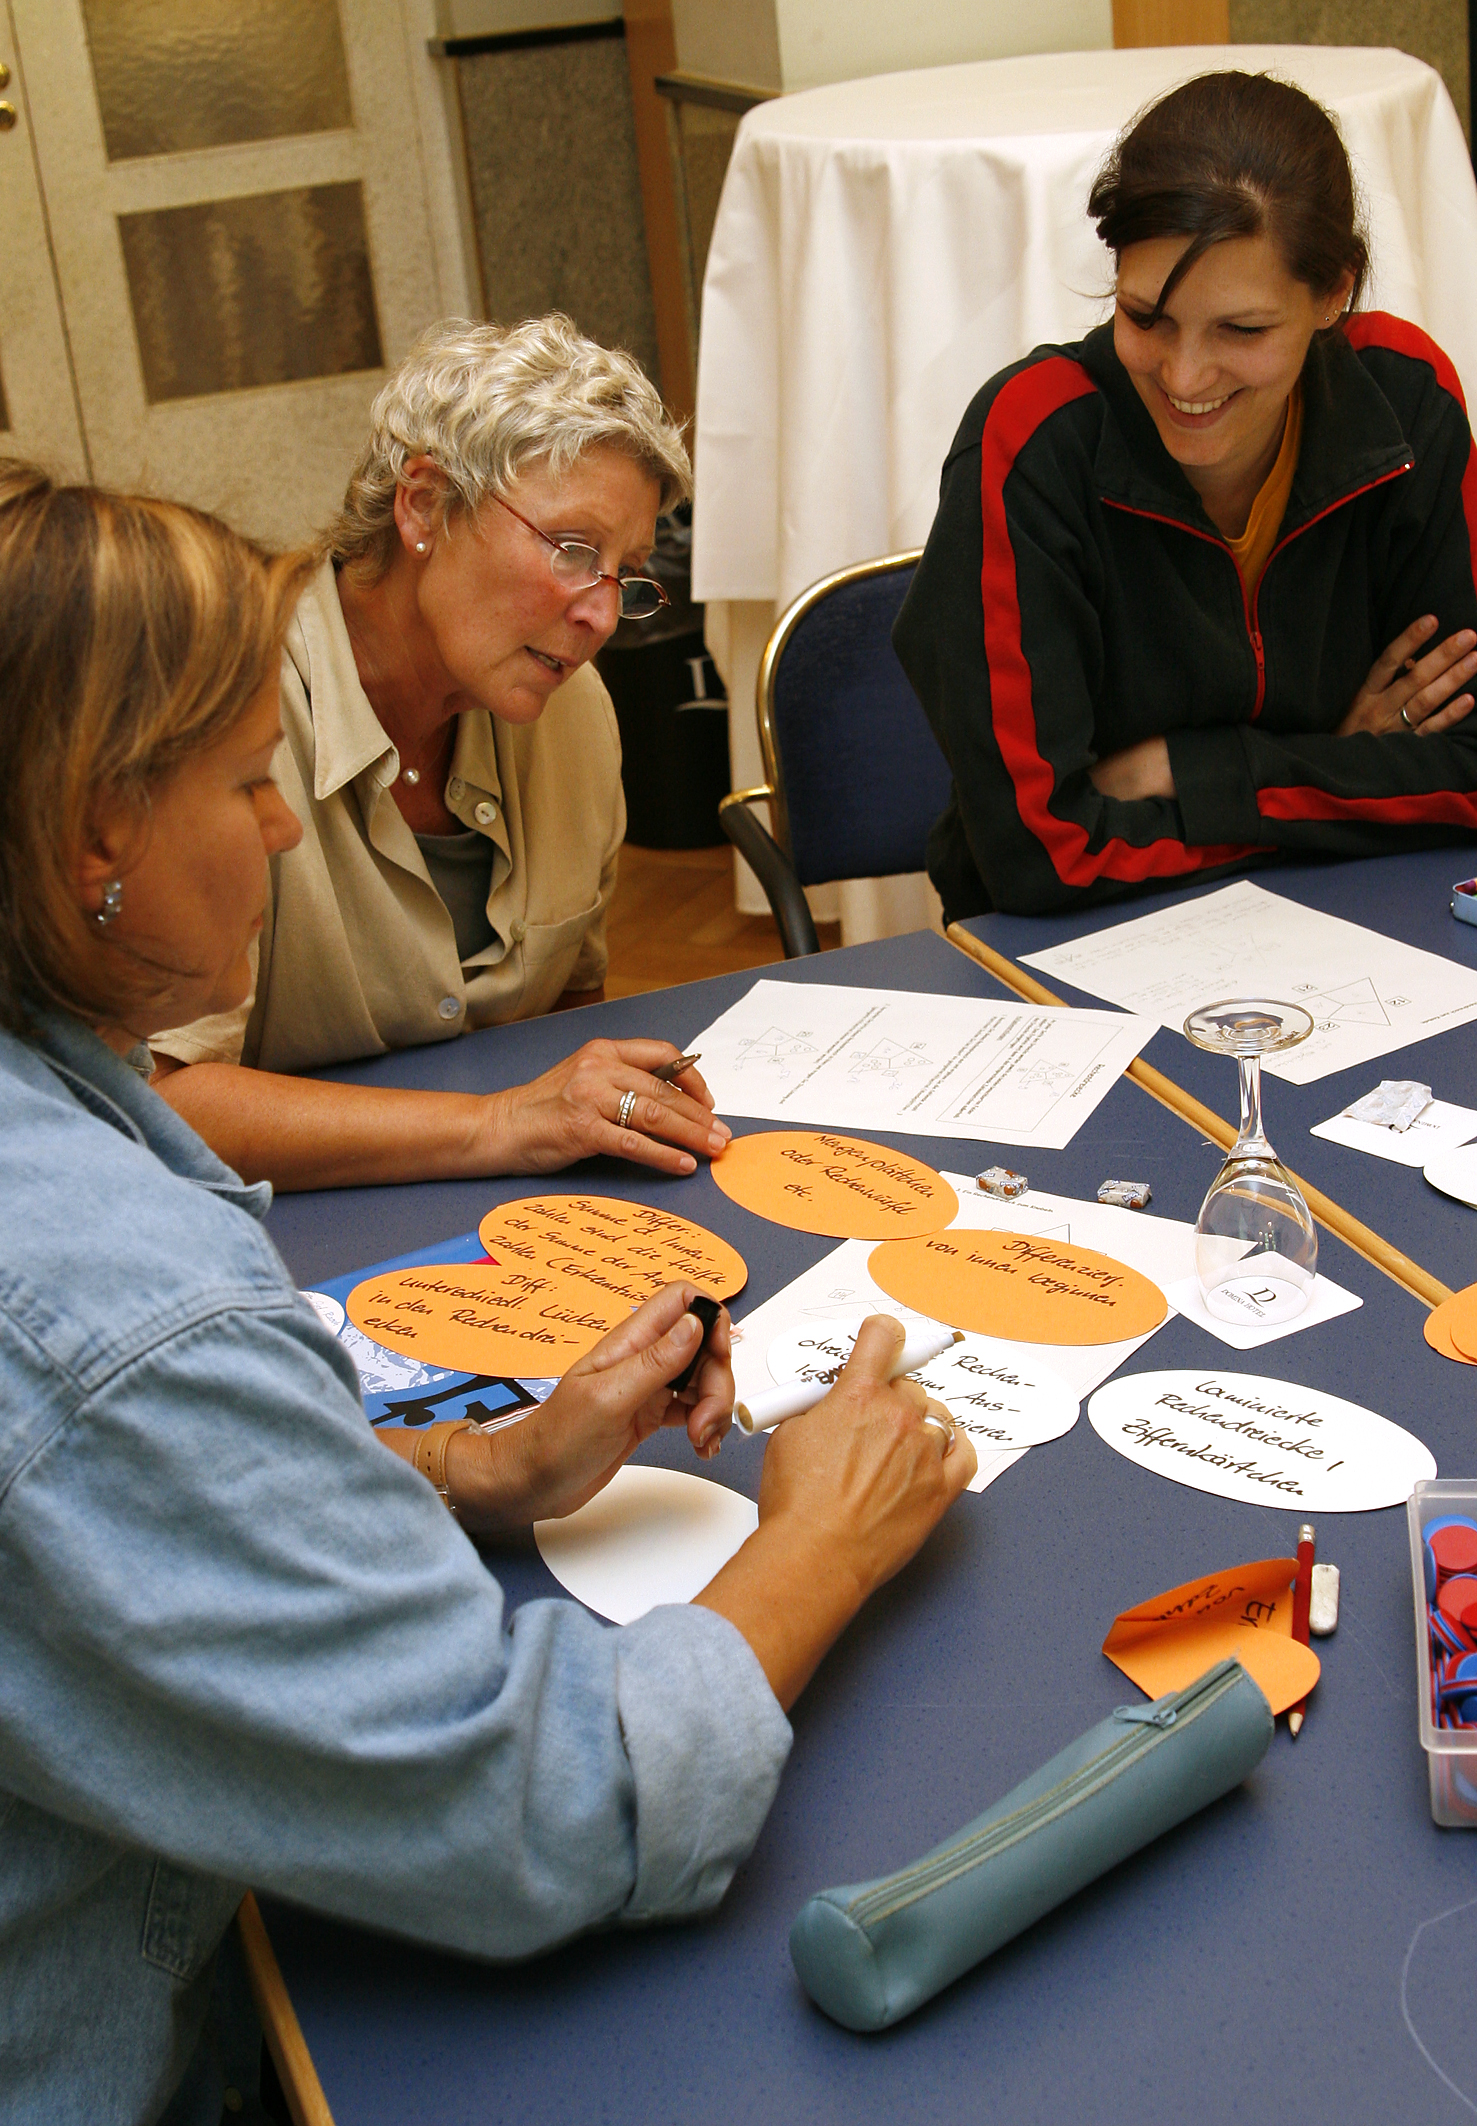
(1001, 1398)
(1264, 1442)
(1454, 1172)
(651, 1536)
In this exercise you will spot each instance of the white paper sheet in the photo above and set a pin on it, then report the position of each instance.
(844, 1058)
(651, 1536)
(1160, 1248)
(1438, 1128)
(1367, 995)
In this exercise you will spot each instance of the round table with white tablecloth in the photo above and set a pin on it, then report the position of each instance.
(884, 246)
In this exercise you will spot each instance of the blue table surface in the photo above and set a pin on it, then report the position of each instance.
(1403, 897)
(1273, 1954)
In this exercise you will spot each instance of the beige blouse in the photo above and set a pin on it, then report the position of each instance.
(357, 952)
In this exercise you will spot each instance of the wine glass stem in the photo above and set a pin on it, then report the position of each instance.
(1251, 1142)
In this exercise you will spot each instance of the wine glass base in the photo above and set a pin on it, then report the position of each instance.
(1259, 1298)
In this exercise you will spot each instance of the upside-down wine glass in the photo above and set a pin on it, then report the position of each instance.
(1256, 1247)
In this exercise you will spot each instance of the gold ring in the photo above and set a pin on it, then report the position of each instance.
(1407, 722)
(624, 1111)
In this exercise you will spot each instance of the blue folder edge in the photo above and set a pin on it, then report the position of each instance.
(399, 1392)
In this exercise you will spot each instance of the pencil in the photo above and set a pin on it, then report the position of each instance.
(668, 1072)
(1301, 1594)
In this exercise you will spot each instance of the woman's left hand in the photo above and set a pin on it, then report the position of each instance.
(608, 1402)
(1138, 771)
(580, 1108)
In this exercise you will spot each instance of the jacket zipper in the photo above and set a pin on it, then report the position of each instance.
(1249, 603)
(926, 1876)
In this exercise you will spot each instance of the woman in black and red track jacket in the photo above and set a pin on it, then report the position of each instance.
(1076, 600)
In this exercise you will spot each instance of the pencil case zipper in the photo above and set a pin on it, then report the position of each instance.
(1154, 1724)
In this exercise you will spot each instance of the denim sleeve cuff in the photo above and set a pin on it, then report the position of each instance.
(1214, 786)
(706, 1741)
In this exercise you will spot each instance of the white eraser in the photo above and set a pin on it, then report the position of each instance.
(1323, 1600)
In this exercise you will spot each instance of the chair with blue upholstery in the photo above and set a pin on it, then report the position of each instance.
(854, 775)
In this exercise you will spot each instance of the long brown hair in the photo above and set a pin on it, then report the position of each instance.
(1235, 154)
(133, 635)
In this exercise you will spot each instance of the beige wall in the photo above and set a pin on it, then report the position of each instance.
(799, 44)
(1433, 30)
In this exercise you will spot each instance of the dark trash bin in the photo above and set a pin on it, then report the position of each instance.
(670, 706)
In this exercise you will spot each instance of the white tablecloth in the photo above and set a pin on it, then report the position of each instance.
(884, 246)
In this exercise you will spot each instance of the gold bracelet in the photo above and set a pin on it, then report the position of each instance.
(430, 1455)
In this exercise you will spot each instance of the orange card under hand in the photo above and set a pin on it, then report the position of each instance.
(1168, 1641)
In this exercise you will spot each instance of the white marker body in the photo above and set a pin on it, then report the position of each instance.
(776, 1404)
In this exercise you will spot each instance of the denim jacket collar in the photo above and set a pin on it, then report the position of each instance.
(109, 1088)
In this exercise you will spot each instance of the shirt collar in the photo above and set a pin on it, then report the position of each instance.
(1351, 438)
(347, 735)
(110, 1089)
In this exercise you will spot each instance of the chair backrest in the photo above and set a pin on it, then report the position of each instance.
(858, 773)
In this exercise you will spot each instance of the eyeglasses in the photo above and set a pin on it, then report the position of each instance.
(578, 568)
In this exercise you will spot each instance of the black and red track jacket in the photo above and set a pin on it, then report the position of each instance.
(1075, 598)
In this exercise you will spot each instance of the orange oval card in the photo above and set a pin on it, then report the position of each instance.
(1437, 1330)
(843, 1187)
(1018, 1285)
(565, 1271)
(1455, 1323)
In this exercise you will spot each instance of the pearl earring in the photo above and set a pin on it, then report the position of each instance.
(420, 546)
(112, 904)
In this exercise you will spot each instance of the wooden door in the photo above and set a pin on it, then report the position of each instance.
(239, 253)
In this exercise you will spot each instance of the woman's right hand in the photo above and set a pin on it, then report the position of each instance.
(850, 1490)
(571, 1113)
(1420, 686)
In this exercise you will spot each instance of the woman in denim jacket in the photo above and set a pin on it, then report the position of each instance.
(239, 1642)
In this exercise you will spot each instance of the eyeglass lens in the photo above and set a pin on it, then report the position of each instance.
(579, 567)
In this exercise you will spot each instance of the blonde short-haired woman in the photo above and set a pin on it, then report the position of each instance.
(454, 762)
(239, 1642)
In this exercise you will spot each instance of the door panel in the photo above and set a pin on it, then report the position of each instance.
(38, 401)
(233, 295)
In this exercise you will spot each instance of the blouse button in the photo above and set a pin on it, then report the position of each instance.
(485, 813)
(450, 1008)
(456, 788)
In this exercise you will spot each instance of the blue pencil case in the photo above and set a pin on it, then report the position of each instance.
(871, 1952)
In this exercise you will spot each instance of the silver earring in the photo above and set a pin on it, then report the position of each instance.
(112, 904)
(420, 546)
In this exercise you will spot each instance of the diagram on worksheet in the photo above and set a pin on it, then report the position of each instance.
(777, 1053)
(844, 1058)
(1367, 995)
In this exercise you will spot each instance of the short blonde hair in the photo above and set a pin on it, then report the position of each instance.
(484, 402)
(133, 636)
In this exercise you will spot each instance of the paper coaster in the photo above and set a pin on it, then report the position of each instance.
(843, 1187)
(651, 1536)
(566, 1270)
(1019, 1286)
(1328, 1301)
(1264, 1442)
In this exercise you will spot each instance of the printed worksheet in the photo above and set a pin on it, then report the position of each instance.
(1367, 995)
(843, 1058)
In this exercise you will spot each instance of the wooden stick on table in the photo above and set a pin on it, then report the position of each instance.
(1409, 1275)
(283, 2031)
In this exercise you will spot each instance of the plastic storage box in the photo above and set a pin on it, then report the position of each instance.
(1451, 1753)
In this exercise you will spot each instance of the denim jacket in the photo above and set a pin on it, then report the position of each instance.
(242, 1644)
